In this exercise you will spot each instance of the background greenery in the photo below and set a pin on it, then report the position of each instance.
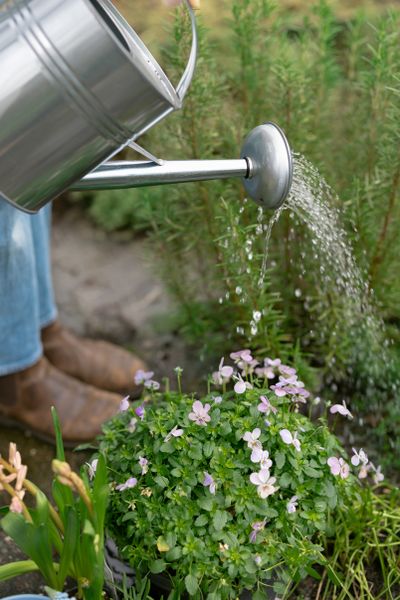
(330, 76)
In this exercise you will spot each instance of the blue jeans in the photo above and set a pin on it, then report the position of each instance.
(26, 292)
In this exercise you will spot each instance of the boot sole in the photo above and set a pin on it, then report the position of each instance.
(7, 422)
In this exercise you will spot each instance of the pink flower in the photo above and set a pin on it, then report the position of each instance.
(129, 483)
(363, 472)
(276, 362)
(140, 412)
(244, 360)
(241, 356)
(200, 413)
(241, 386)
(291, 506)
(175, 432)
(266, 407)
(142, 376)
(124, 404)
(144, 464)
(338, 467)
(209, 482)
(223, 374)
(14, 456)
(288, 438)
(255, 528)
(217, 399)
(264, 483)
(16, 505)
(285, 370)
(341, 409)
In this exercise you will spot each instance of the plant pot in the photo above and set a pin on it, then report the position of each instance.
(26, 597)
(117, 571)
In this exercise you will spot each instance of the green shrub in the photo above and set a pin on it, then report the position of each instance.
(224, 493)
(334, 88)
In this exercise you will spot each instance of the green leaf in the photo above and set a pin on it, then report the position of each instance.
(171, 539)
(312, 472)
(174, 554)
(311, 571)
(191, 584)
(250, 566)
(157, 566)
(15, 569)
(333, 576)
(205, 503)
(161, 481)
(60, 454)
(128, 516)
(208, 449)
(201, 520)
(167, 448)
(195, 452)
(71, 537)
(280, 458)
(219, 520)
(259, 595)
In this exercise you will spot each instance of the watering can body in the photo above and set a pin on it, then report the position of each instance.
(76, 86)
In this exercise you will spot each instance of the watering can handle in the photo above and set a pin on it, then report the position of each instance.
(187, 76)
(181, 89)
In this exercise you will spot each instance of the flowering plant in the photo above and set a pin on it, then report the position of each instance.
(223, 492)
(64, 538)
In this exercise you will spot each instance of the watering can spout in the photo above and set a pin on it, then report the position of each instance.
(265, 167)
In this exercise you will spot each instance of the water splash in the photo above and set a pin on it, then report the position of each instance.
(351, 318)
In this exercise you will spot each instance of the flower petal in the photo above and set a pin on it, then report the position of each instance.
(286, 436)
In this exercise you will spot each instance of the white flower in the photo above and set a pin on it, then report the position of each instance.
(132, 425)
(265, 461)
(92, 466)
(264, 483)
(144, 463)
(291, 506)
(288, 438)
(251, 437)
(378, 475)
(359, 457)
(175, 432)
(241, 386)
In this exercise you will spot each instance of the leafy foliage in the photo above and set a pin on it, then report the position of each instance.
(235, 536)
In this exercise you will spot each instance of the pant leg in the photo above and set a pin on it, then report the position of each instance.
(20, 345)
(41, 227)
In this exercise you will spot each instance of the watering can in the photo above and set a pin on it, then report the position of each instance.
(77, 85)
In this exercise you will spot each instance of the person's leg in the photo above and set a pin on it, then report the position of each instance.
(41, 226)
(20, 345)
(29, 384)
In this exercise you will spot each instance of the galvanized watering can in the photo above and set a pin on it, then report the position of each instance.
(77, 85)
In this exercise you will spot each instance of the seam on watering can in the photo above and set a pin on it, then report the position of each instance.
(82, 98)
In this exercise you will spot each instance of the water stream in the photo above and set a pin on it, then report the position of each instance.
(343, 289)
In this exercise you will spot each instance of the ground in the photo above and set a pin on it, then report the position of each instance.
(105, 288)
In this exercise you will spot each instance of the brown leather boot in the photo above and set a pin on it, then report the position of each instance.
(26, 398)
(104, 365)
